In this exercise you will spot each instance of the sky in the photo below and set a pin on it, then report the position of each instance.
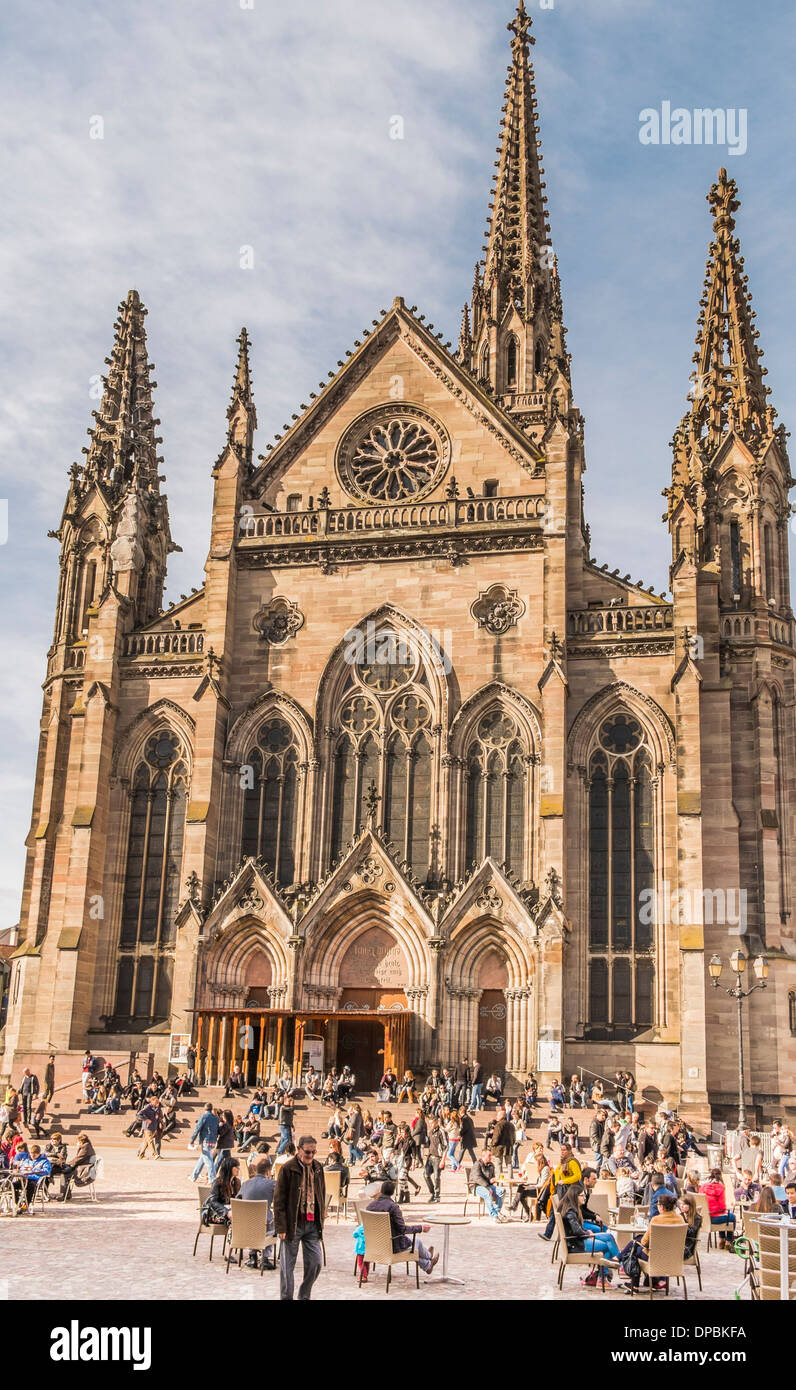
(244, 123)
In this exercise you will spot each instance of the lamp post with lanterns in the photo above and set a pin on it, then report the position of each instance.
(738, 964)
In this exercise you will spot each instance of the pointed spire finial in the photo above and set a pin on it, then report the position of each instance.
(520, 26)
(242, 389)
(124, 445)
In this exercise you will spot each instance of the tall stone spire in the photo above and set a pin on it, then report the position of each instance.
(517, 337)
(124, 444)
(728, 392)
(241, 413)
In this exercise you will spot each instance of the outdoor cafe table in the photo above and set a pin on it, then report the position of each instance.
(446, 1222)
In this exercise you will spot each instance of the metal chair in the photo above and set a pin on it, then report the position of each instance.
(87, 1183)
(248, 1230)
(211, 1231)
(378, 1247)
(472, 1195)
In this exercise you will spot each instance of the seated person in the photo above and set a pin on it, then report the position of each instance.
(78, 1168)
(530, 1185)
(375, 1171)
(35, 1169)
(570, 1134)
(345, 1086)
(400, 1231)
(747, 1190)
(789, 1204)
(329, 1091)
(312, 1082)
(625, 1184)
(667, 1215)
(494, 1088)
(248, 1132)
(260, 1188)
(580, 1239)
(225, 1186)
(56, 1151)
(334, 1162)
(389, 1083)
(717, 1203)
(235, 1081)
(406, 1090)
(482, 1179)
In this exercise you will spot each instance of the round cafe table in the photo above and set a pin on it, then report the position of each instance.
(446, 1222)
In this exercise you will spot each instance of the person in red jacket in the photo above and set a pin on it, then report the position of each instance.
(717, 1204)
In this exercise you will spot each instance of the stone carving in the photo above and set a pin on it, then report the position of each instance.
(395, 453)
(489, 899)
(126, 551)
(497, 609)
(278, 621)
(250, 900)
(370, 870)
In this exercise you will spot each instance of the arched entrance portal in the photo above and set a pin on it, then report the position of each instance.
(493, 980)
(373, 976)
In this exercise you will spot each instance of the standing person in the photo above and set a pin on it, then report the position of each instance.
(49, 1077)
(86, 1070)
(299, 1207)
(477, 1097)
(37, 1115)
(190, 1062)
(596, 1132)
(151, 1117)
(286, 1113)
(462, 1080)
(420, 1135)
(503, 1137)
(468, 1136)
(205, 1134)
(28, 1089)
(435, 1162)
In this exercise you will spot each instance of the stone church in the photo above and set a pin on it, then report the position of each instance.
(411, 777)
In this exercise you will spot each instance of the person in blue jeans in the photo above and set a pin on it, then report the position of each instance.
(477, 1095)
(285, 1125)
(205, 1135)
(578, 1236)
(483, 1181)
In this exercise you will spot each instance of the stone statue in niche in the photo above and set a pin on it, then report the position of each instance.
(127, 553)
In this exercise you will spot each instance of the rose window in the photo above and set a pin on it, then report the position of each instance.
(393, 455)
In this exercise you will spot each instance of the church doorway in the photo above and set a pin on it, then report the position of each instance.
(493, 979)
(360, 1046)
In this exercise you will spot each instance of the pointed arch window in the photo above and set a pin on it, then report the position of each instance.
(159, 794)
(384, 722)
(496, 794)
(512, 365)
(770, 569)
(621, 880)
(270, 802)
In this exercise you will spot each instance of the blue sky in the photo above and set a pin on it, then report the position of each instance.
(269, 127)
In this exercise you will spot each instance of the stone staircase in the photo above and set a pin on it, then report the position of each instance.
(71, 1117)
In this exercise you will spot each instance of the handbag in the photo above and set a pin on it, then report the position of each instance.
(632, 1264)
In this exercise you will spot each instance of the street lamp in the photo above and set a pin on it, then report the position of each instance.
(738, 964)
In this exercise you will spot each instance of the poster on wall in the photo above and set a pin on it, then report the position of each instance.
(548, 1056)
(178, 1048)
(312, 1054)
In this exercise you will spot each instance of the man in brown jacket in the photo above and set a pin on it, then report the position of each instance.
(299, 1209)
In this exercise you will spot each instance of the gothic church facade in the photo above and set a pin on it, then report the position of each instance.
(411, 778)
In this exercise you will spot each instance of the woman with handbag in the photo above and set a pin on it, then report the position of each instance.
(215, 1211)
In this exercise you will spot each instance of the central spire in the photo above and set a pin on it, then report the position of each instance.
(515, 341)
